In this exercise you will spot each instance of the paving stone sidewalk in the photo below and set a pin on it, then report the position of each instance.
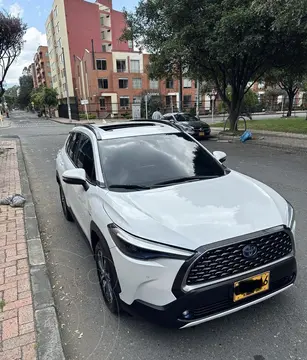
(17, 328)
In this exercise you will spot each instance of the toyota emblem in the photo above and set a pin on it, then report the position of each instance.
(250, 251)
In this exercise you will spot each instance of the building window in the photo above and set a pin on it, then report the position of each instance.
(154, 84)
(187, 100)
(55, 12)
(101, 20)
(187, 83)
(137, 83)
(62, 58)
(103, 83)
(168, 100)
(102, 102)
(169, 84)
(103, 36)
(123, 83)
(130, 44)
(121, 65)
(58, 27)
(135, 66)
(104, 48)
(101, 64)
(124, 101)
(137, 100)
(60, 44)
(54, 79)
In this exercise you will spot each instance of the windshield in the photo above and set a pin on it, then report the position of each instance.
(185, 117)
(146, 161)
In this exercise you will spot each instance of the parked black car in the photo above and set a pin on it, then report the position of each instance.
(190, 124)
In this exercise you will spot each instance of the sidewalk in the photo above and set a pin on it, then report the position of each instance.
(18, 339)
(78, 122)
(268, 138)
(5, 124)
(28, 323)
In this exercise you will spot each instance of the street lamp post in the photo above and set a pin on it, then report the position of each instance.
(197, 98)
(212, 97)
(66, 86)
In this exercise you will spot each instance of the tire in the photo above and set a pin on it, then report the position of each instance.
(107, 276)
(65, 208)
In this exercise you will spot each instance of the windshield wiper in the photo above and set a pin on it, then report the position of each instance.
(130, 187)
(186, 179)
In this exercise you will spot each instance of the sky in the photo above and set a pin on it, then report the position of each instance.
(34, 13)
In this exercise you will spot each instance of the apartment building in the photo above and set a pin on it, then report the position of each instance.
(41, 72)
(113, 81)
(75, 25)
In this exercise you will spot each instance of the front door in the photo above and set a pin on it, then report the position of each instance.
(82, 198)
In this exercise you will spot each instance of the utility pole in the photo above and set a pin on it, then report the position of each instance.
(66, 86)
(197, 98)
(180, 86)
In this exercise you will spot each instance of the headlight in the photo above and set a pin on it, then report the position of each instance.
(291, 216)
(188, 129)
(141, 249)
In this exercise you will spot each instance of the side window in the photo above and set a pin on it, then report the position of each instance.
(85, 158)
(72, 145)
(69, 143)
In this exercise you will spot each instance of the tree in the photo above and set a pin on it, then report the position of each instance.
(11, 95)
(167, 59)
(229, 42)
(290, 80)
(25, 89)
(44, 97)
(50, 98)
(12, 30)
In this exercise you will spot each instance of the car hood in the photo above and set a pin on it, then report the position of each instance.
(195, 124)
(197, 213)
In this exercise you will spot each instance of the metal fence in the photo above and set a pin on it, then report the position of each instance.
(265, 104)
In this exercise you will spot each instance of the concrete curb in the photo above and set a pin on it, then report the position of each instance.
(261, 142)
(46, 322)
(74, 122)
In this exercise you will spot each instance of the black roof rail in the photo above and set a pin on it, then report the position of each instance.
(93, 129)
(164, 122)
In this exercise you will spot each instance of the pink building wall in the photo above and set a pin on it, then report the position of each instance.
(83, 25)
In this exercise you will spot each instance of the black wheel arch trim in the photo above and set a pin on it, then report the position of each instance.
(97, 231)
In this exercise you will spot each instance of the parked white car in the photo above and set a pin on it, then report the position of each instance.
(178, 238)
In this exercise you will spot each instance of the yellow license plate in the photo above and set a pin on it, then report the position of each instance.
(201, 133)
(251, 286)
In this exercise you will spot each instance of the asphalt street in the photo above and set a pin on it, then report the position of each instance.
(273, 330)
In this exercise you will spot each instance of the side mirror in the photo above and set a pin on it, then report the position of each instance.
(75, 177)
(220, 156)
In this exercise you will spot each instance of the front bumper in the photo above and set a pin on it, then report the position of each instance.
(214, 301)
(206, 134)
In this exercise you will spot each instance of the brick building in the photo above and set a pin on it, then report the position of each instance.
(112, 82)
(83, 38)
(76, 25)
(41, 72)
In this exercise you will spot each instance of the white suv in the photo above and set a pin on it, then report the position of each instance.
(178, 237)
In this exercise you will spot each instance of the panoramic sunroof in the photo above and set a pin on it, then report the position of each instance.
(123, 126)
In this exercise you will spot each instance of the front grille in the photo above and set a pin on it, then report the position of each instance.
(226, 261)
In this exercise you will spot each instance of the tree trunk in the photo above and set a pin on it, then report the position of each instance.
(291, 95)
(235, 107)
